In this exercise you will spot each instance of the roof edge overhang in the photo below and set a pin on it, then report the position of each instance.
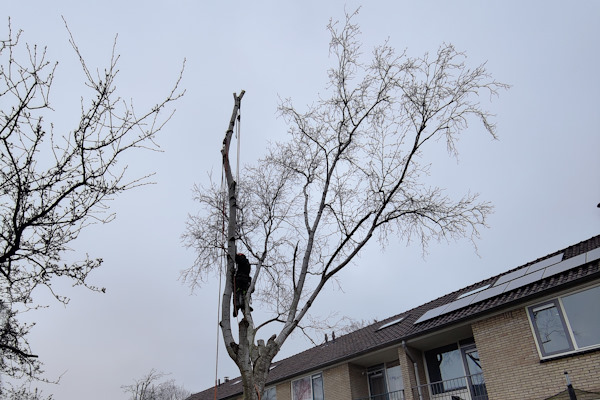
(477, 316)
(590, 279)
(587, 280)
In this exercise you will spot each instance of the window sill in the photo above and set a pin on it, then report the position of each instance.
(570, 354)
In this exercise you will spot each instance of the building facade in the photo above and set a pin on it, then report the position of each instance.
(510, 337)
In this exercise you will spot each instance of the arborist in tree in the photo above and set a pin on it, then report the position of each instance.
(241, 282)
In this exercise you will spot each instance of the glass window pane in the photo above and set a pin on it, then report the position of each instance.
(317, 387)
(584, 317)
(445, 364)
(394, 378)
(301, 389)
(550, 329)
(270, 394)
(474, 368)
(473, 362)
(450, 365)
(377, 388)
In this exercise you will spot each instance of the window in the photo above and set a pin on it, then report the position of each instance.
(446, 370)
(394, 379)
(317, 381)
(270, 394)
(308, 388)
(385, 381)
(550, 328)
(568, 323)
(392, 322)
(456, 368)
(377, 383)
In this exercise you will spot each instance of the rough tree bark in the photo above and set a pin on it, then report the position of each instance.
(253, 360)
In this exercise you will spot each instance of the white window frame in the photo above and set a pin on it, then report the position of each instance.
(310, 377)
(558, 303)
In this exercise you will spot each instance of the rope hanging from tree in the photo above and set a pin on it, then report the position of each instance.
(239, 140)
(223, 262)
(223, 259)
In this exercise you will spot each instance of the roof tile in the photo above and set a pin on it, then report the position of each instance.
(370, 338)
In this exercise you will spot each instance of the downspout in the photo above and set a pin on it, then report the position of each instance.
(407, 352)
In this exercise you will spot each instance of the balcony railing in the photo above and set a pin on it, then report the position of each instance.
(397, 395)
(470, 387)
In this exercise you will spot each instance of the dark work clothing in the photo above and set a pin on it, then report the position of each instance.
(242, 282)
(243, 265)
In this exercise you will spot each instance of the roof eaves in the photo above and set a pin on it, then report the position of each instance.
(407, 330)
(515, 300)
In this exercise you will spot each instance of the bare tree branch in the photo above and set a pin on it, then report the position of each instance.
(54, 184)
(351, 169)
(150, 387)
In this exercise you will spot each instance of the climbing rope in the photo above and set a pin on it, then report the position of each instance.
(239, 140)
(237, 180)
(223, 262)
(223, 259)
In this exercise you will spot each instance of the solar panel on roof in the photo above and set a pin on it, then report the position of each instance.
(491, 292)
(431, 314)
(545, 263)
(514, 280)
(510, 276)
(592, 255)
(524, 280)
(460, 303)
(565, 265)
(532, 268)
(469, 293)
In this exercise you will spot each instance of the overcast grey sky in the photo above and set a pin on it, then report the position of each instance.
(543, 174)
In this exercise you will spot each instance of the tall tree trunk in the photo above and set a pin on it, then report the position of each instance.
(230, 345)
(252, 360)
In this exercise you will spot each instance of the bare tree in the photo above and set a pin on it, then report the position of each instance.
(352, 170)
(54, 184)
(24, 392)
(150, 387)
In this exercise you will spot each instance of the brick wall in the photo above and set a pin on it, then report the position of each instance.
(512, 367)
(359, 385)
(336, 383)
(343, 382)
(408, 373)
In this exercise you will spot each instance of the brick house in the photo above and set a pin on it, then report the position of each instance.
(509, 337)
